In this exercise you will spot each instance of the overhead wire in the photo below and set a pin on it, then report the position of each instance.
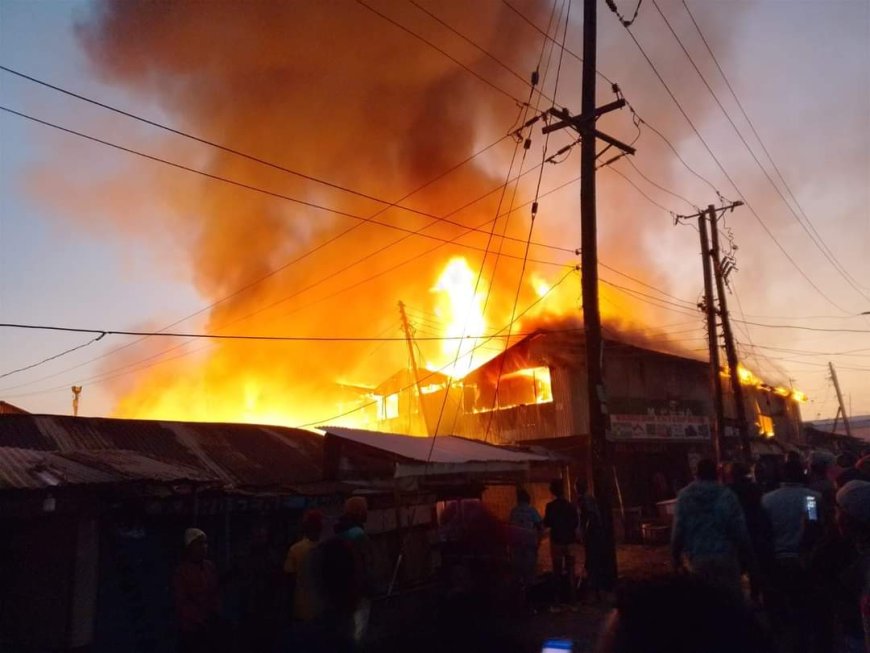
(433, 373)
(55, 357)
(257, 189)
(533, 217)
(716, 159)
(483, 79)
(821, 244)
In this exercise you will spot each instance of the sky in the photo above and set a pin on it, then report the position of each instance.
(92, 237)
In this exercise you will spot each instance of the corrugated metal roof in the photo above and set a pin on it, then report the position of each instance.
(444, 449)
(24, 468)
(238, 455)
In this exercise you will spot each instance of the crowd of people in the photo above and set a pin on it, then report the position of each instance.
(782, 551)
(800, 534)
(325, 584)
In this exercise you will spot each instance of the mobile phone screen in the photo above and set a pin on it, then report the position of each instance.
(812, 510)
(557, 646)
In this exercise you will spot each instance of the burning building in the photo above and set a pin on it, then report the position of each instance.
(660, 404)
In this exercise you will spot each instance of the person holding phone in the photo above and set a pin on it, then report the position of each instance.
(796, 519)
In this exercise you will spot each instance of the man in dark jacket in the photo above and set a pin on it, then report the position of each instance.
(560, 516)
(710, 530)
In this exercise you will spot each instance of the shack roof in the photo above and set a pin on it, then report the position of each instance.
(445, 454)
(233, 455)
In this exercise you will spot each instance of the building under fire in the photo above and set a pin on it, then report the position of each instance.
(660, 404)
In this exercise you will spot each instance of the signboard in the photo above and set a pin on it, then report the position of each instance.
(659, 420)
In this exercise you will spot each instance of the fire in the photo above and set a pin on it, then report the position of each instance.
(540, 381)
(460, 308)
(541, 287)
(749, 378)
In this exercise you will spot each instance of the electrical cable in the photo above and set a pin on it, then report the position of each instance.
(763, 146)
(257, 189)
(56, 356)
(443, 52)
(816, 239)
(728, 176)
(432, 373)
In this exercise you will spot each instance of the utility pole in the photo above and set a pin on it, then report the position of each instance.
(840, 400)
(406, 327)
(600, 458)
(712, 342)
(730, 349)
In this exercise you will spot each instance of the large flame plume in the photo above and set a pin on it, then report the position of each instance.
(342, 95)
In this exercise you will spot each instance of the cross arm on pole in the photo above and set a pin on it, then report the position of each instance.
(582, 123)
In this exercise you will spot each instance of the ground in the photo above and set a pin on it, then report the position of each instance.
(522, 631)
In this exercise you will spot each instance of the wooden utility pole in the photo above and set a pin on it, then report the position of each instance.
(840, 400)
(718, 428)
(730, 349)
(406, 327)
(600, 460)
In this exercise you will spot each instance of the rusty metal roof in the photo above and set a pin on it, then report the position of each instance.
(31, 469)
(235, 455)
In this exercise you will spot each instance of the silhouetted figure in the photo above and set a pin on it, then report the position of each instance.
(560, 516)
(710, 530)
(841, 569)
(749, 495)
(524, 536)
(680, 614)
(346, 573)
(592, 534)
(847, 471)
(795, 514)
(201, 628)
(303, 583)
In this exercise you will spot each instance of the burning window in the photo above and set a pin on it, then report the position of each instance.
(388, 406)
(528, 386)
(765, 425)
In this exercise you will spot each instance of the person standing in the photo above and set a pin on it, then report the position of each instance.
(302, 571)
(592, 536)
(560, 516)
(346, 562)
(525, 535)
(710, 530)
(795, 514)
(197, 598)
(749, 495)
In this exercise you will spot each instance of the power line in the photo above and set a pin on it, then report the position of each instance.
(443, 52)
(448, 365)
(478, 47)
(728, 176)
(547, 36)
(823, 248)
(218, 336)
(802, 328)
(274, 194)
(642, 192)
(56, 356)
(220, 146)
(785, 184)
